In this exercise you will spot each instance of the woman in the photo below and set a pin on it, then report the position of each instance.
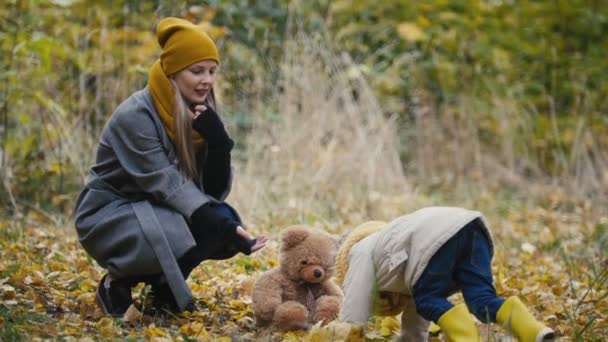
(153, 207)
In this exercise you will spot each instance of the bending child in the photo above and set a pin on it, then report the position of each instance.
(414, 263)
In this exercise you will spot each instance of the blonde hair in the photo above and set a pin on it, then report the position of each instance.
(348, 241)
(182, 121)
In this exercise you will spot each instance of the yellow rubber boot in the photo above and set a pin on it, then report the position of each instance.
(515, 317)
(458, 326)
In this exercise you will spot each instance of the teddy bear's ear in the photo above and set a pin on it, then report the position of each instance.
(293, 236)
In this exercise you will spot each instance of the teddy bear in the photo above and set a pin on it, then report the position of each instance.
(300, 291)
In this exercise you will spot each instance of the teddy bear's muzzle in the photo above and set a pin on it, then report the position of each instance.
(312, 274)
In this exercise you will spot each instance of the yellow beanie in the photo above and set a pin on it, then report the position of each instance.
(183, 44)
(358, 234)
(391, 303)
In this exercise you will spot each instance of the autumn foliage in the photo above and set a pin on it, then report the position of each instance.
(342, 111)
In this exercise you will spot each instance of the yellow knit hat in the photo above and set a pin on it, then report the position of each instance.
(385, 304)
(183, 44)
(356, 235)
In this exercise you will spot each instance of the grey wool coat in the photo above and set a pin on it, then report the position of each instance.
(131, 216)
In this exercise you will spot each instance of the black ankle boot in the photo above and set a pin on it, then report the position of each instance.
(113, 297)
(163, 300)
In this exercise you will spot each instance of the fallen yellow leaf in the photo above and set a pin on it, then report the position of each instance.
(194, 329)
(389, 326)
(410, 32)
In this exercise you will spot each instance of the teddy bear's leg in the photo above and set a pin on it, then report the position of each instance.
(291, 315)
(327, 309)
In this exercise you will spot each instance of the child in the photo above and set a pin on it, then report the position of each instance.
(412, 264)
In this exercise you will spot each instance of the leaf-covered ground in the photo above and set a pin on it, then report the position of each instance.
(556, 262)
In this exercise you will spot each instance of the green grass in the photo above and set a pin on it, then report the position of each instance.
(14, 319)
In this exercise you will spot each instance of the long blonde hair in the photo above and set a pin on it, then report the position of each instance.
(182, 121)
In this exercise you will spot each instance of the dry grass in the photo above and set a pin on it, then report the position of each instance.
(329, 151)
(321, 149)
(476, 144)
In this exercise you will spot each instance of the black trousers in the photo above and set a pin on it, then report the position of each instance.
(208, 247)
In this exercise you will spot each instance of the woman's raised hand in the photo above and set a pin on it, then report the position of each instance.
(208, 123)
(199, 109)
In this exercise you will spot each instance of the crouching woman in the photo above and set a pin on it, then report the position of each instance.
(153, 206)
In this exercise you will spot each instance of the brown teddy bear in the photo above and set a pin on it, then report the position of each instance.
(300, 291)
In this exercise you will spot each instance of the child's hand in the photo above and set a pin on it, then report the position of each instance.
(389, 303)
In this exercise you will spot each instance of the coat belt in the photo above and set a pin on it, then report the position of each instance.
(153, 232)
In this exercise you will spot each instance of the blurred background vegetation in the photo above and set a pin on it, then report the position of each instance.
(343, 111)
(506, 98)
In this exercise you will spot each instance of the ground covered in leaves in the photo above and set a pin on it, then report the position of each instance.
(555, 259)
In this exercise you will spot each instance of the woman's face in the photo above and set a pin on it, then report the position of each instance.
(195, 81)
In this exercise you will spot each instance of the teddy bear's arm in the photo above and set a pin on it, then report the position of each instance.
(267, 296)
(332, 289)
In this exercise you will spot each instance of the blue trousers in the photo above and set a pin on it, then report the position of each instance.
(463, 263)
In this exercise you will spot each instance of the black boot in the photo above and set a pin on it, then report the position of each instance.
(163, 301)
(113, 297)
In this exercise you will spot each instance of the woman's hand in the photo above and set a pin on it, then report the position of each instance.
(198, 110)
(260, 242)
(208, 123)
